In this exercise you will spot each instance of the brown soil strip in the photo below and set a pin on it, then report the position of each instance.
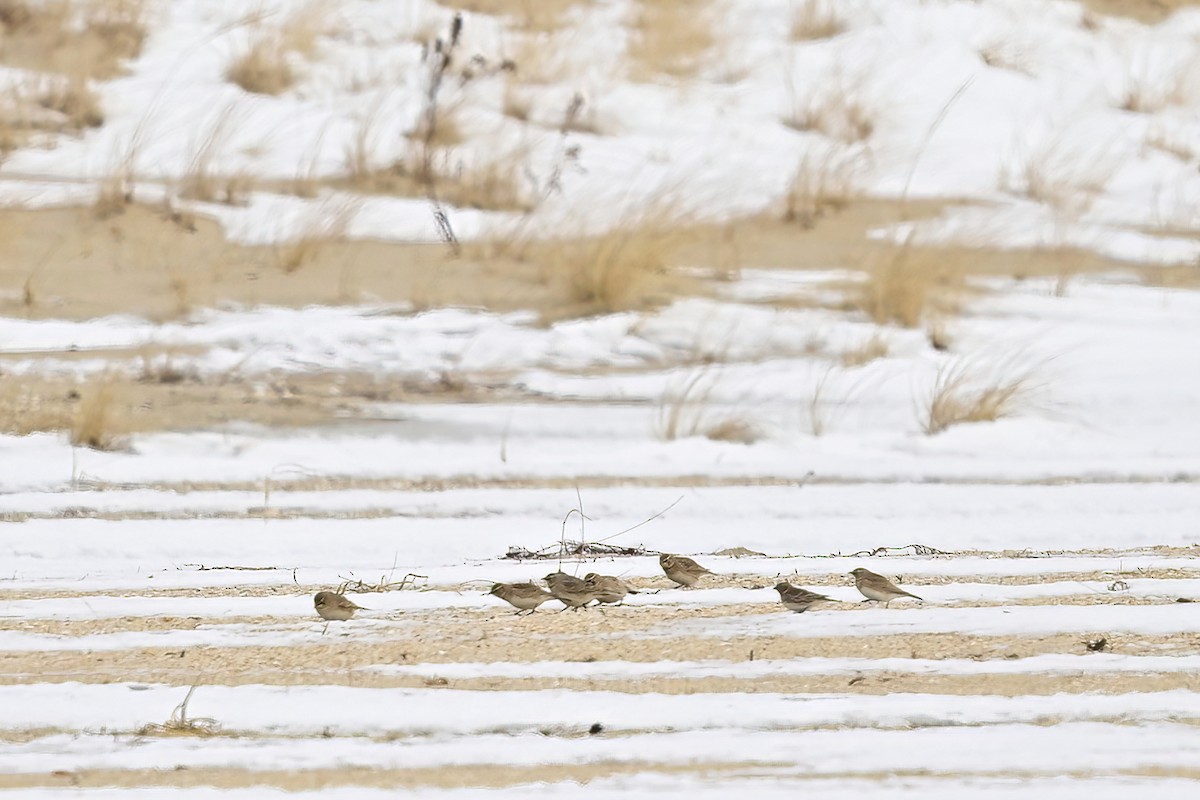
(499, 776)
(461, 775)
(319, 483)
(336, 658)
(634, 617)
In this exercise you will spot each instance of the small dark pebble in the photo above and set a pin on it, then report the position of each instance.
(1184, 600)
(596, 728)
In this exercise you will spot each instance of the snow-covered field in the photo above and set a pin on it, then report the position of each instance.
(1055, 647)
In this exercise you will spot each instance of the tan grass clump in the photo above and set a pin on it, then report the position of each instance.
(617, 270)
(81, 39)
(841, 111)
(200, 181)
(74, 99)
(824, 182)
(816, 19)
(686, 410)
(267, 65)
(672, 37)
(872, 349)
(906, 283)
(180, 724)
(963, 393)
(263, 69)
(97, 422)
(1066, 173)
(324, 224)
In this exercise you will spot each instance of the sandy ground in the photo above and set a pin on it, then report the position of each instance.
(66, 263)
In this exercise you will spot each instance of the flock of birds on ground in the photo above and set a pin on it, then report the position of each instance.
(575, 593)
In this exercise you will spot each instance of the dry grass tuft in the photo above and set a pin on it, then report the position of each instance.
(266, 66)
(672, 37)
(115, 195)
(200, 182)
(614, 271)
(686, 410)
(842, 111)
(963, 393)
(1064, 173)
(816, 19)
(263, 69)
(906, 283)
(180, 724)
(97, 422)
(823, 183)
(74, 99)
(82, 40)
(874, 348)
(119, 24)
(324, 224)
(1148, 90)
(1172, 141)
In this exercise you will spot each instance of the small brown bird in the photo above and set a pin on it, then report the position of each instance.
(682, 569)
(523, 596)
(573, 592)
(878, 588)
(334, 607)
(796, 599)
(607, 588)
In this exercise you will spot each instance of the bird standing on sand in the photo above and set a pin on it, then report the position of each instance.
(607, 588)
(334, 607)
(878, 588)
(522, 596)
(796, 599)
(573, 592)
(682, 569)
